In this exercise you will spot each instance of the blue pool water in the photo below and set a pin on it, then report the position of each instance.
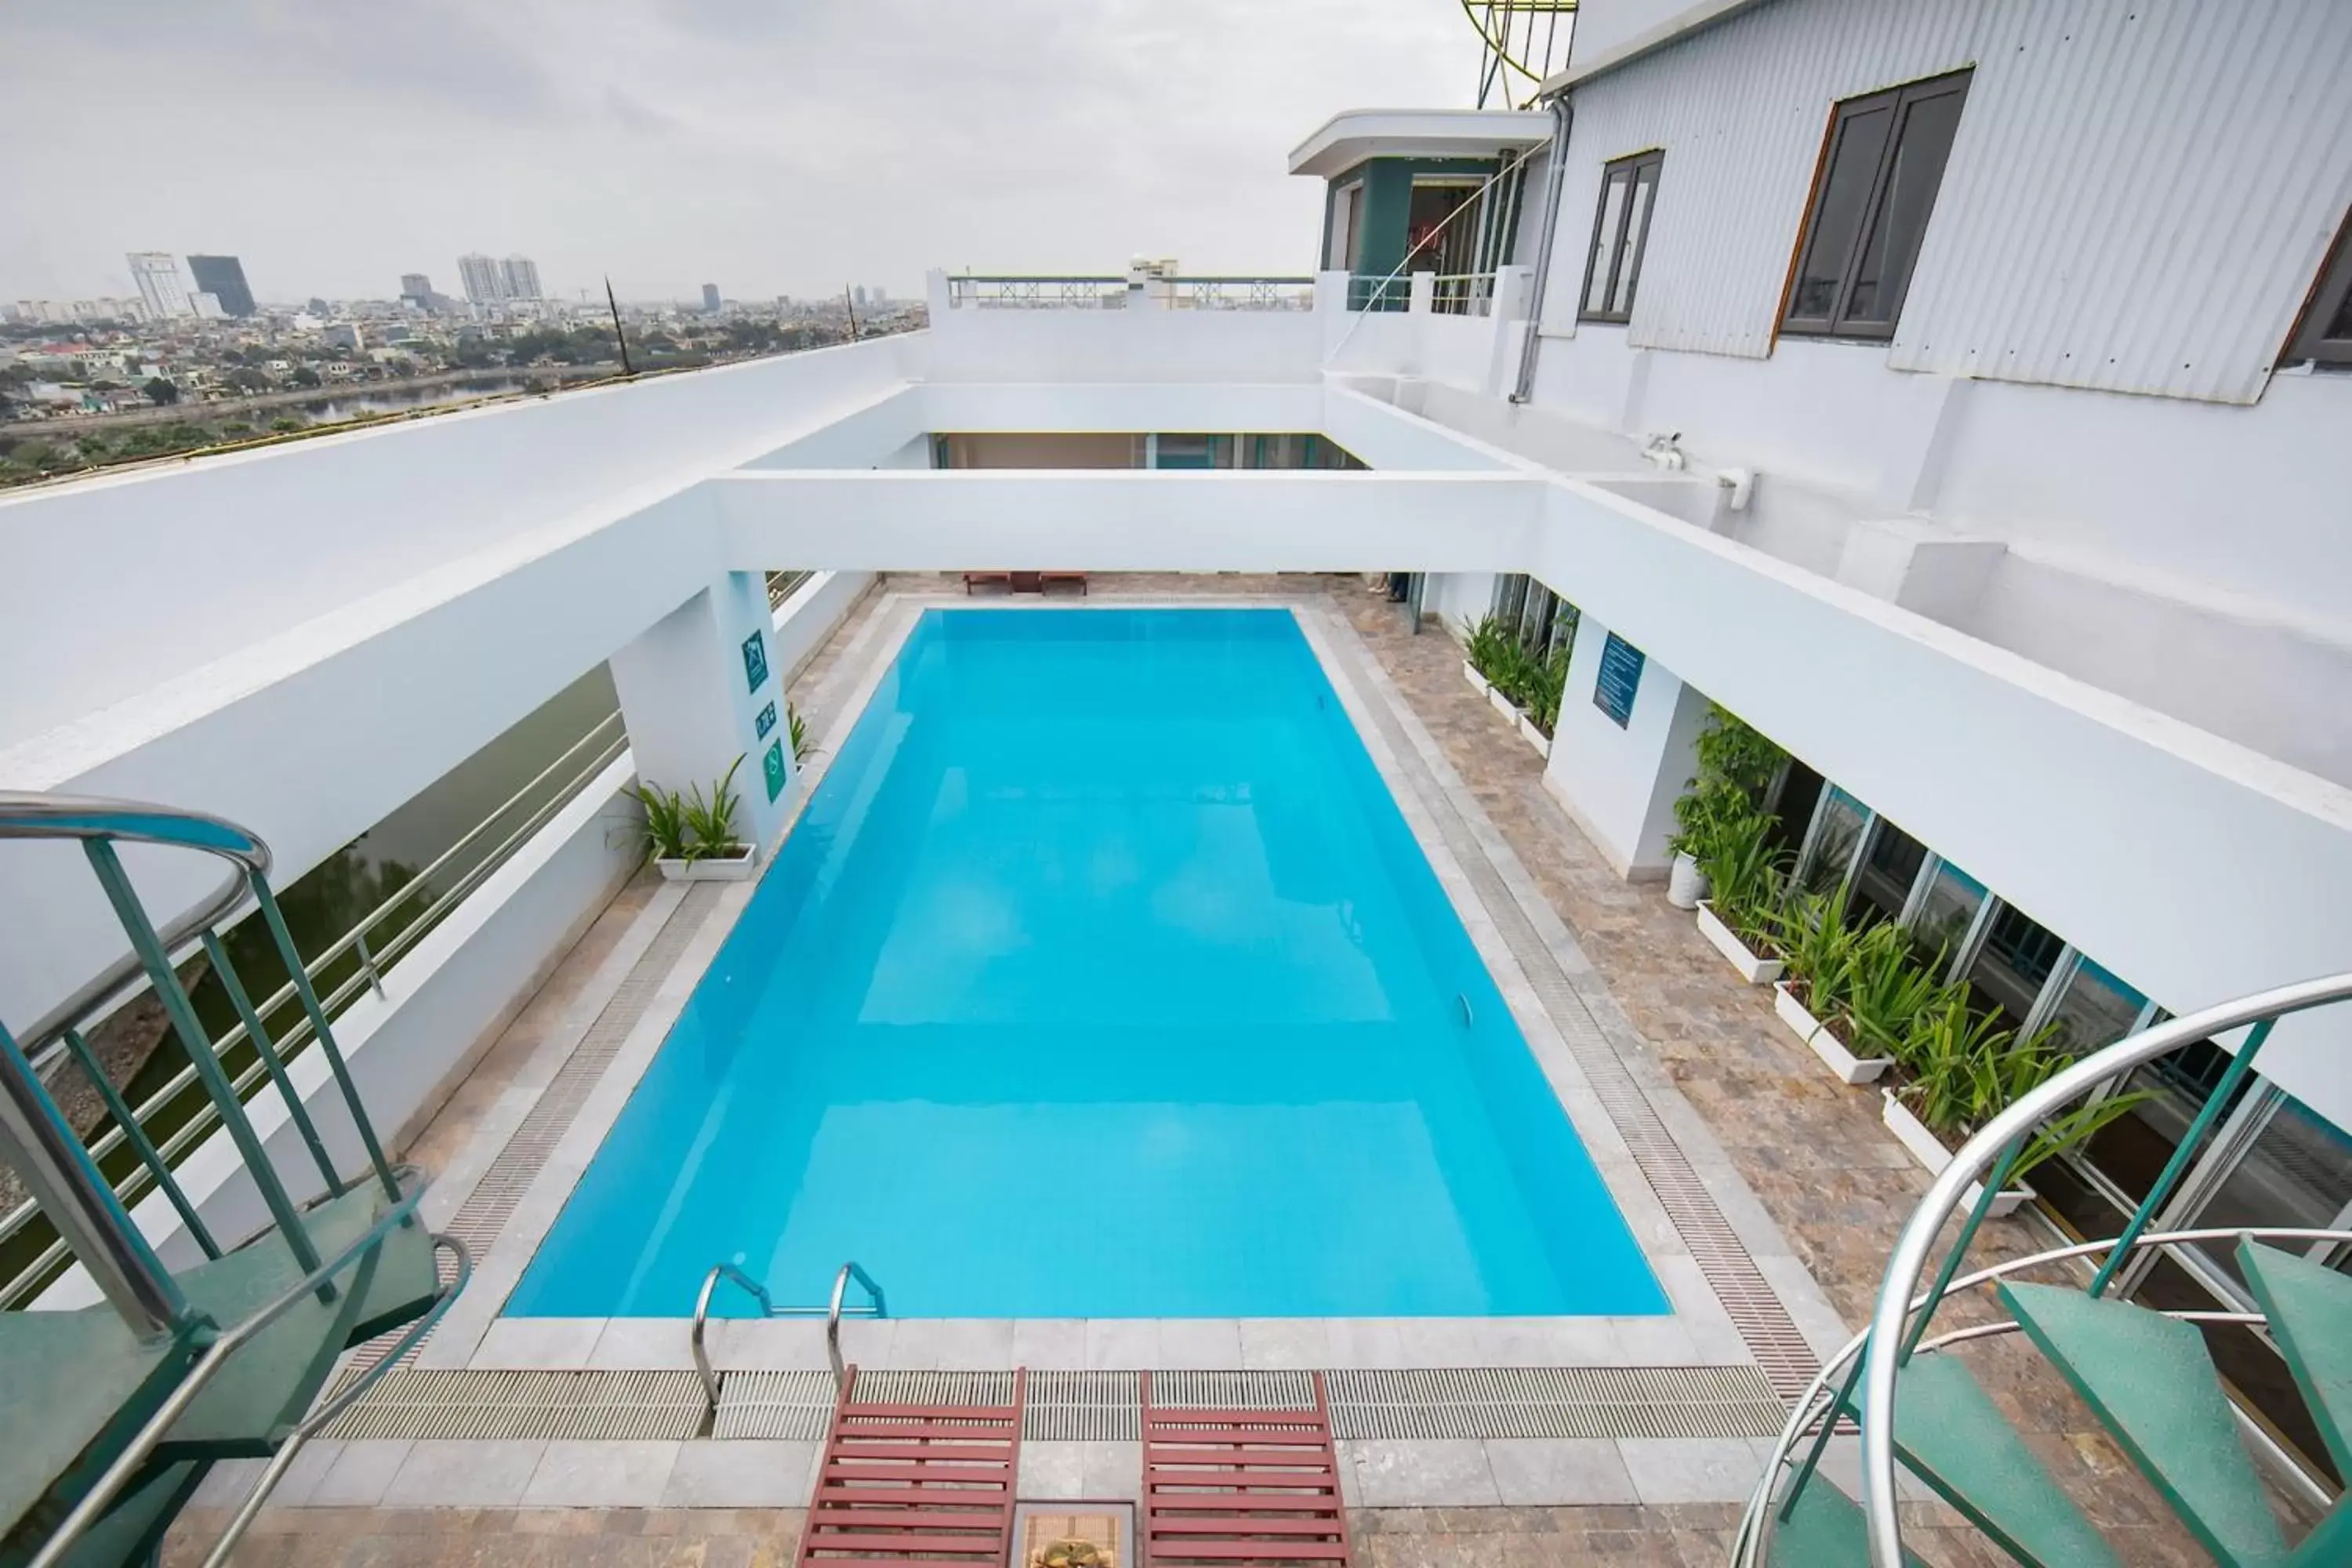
(1102, 978)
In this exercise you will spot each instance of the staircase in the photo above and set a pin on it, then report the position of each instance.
(111, 1413)
(2145, 1374)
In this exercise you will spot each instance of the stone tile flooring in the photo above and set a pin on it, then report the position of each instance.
(1814, 1151)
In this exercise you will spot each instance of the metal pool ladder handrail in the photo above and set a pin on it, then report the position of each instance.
(833, 1312)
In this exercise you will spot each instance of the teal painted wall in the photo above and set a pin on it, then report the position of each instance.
(1387, 202)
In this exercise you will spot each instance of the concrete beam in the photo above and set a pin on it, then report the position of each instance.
(1128, 520)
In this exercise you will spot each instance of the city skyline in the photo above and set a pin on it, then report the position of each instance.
(732, 147)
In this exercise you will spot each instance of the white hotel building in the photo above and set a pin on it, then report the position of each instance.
(1954, 393)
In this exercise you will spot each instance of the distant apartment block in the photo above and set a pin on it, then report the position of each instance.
(519, 274)
(157, 276)
(223, 277)
(710, 298)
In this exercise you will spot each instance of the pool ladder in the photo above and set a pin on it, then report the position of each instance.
(832, 1312)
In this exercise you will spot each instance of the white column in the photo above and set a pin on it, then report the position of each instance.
(1507, 310)
(700, 688)
(1621, 783)
(935, 292)
(1421, 297)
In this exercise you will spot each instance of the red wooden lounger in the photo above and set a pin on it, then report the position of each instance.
(1234, 1488)
(915, 1483)
(987, 579)
(1049, 579)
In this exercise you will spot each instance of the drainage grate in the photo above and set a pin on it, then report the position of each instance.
(1554, 1401)
(596, 1406)
(1748, 1297)
(1070, 1406)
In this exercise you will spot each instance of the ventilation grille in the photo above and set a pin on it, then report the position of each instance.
(1554, 1401)
(1748, 1297)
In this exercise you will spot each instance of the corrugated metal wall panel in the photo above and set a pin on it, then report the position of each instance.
(2140, 197)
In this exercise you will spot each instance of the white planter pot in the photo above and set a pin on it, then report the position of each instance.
(1502, 704)
(1851, 1068)
(1686, 883)
(712, 869)
(1754, 970)
(1535, 737)
(1478, 683)
(1929, 1151)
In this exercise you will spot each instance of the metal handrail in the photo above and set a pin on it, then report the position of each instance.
(833, 1312)
(1808, 1410)
(217, 1355)
(1996, 1143)
(140, 1178)
(324, 1415)
(702, 1317)
(1462, 294)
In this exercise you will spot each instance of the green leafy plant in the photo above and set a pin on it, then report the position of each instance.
(796, 728)
(1749, 878)
(692, 826)
(666, 837)
(1485, 643)
(1966, 1068)
(1887, 991)
(1547, 685)
(1735, 768)
(1819, 948)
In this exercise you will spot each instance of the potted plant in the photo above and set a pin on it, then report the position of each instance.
(796, 728)
(1819, 951)
(1747, 876)
(1735, 768)
(1964, 1068)
(1547, 683)
(1510, 673)
(691, 838)
(1482, 642)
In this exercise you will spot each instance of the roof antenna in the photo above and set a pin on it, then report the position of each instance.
(618, 336)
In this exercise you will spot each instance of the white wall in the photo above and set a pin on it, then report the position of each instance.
(1455, 597)
(1121, 408)
(805, 620)
(1621, 783)
(1256, 519)
(1041, 345)
(109, 586)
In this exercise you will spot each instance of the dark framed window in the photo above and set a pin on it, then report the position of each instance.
(1869, 207)
(2325, 334)
(1621, 229)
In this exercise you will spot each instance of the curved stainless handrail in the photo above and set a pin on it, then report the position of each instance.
(1754, 1535)
(833, 1314)
(1946, 1194)
(702, 1317)
(317, 1420)
(29, 815)
(834, 1311)
(215, 1356)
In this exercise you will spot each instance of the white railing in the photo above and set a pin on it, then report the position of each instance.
(1462, 294)
(1119, 293)
(371, 954)
(971, 293)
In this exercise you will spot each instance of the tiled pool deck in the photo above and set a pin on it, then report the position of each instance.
(1794, 1166)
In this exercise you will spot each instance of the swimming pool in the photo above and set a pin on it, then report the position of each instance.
(1101, 978)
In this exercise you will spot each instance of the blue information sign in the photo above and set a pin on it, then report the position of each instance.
(767, 720)
(755, 661)
(1621, 677)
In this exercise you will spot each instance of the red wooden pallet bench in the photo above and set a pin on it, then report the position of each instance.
(915, 1483)
(1227, 1488)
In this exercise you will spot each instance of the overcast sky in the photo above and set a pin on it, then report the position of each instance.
(770, 146)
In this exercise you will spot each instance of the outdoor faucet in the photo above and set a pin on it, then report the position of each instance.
(1665, 450)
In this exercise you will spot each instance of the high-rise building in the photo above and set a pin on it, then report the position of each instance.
(710, 298)
(160, 285)
(859, 294)
(482, 279)
(877, 296)
(223, 277)
(416, 289)
(520, 276)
